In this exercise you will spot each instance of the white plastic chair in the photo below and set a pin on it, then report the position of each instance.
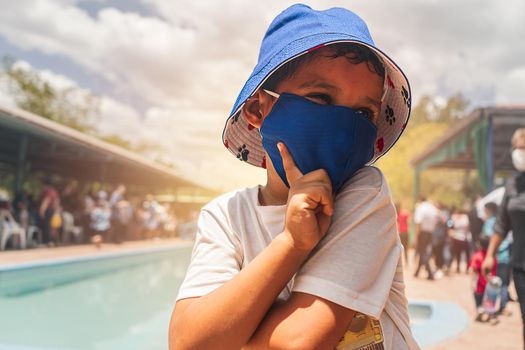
(33, 234)
(9, 227)
(69, 228)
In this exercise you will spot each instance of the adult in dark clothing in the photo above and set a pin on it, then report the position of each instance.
(475, 224)
(49, 204)
(511, 217)
(439, 237)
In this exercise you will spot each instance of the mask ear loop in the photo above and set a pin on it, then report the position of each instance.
(385, 83)
(271, 93)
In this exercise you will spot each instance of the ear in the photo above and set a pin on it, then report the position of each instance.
(257, 107)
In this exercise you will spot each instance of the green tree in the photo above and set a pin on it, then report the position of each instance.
(69, 107)
(429, 121)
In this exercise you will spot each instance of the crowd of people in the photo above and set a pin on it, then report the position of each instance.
(456, 240)
(68, 216)
(485, 239)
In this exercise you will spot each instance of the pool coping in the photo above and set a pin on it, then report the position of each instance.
(92, 257)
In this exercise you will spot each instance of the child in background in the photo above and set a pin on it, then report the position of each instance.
(480, 281)
(503, 255)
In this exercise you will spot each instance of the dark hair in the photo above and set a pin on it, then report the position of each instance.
(492, 207)
(355, 53)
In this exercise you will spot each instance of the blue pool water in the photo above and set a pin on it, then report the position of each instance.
(124, 301)
(126, 305)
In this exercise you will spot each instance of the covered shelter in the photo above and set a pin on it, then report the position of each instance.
(480, 142)
(30, 143)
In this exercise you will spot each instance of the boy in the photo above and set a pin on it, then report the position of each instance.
(287, 265)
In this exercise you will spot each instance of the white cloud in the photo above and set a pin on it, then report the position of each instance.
(6, 99)
(115, 117)
(189, 65)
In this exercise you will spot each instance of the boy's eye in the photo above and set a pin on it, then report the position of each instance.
(319, 98)
(366, 113)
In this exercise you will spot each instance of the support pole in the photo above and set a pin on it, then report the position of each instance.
(21, 163)
(417, 184)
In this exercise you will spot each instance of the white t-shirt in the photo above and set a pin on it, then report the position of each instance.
(461, 229)
(427, 216)
(357, 265)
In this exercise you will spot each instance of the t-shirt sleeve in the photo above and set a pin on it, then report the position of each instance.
(216, 256)
(354, 265)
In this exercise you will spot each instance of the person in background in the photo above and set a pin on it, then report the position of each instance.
(56, 223)
(117, 195)
(475, 223)
(49, 203)
(150, 217)
(20, 209)
(426, 217)
(503, 256)
(135, 227)
(100, 219)
(511, 217)
(439, 238)
(122, 214)
(87, 208)
(460, 233)
(403, 221)
(119, 213)
(481, 279)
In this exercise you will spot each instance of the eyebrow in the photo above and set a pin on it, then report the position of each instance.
(374, 102)
(317, 83)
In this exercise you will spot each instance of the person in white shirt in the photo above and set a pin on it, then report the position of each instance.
(426, 218)
(311, 260)
(461, 237)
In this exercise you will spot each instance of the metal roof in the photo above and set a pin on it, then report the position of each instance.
(504, 120)
(58, 149)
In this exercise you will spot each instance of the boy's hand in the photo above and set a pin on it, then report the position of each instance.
(310, 203)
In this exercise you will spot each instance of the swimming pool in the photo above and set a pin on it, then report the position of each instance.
(124, 301)
(120, 301)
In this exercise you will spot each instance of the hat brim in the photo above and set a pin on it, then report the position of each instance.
(244, 141)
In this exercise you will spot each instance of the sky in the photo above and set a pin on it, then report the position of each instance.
(169, 71)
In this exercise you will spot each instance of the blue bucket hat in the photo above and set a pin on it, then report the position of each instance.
(296, 31)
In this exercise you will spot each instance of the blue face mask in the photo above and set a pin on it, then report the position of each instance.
(335, 138)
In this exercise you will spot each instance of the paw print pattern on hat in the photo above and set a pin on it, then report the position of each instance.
(243, 153)
(235, 118)
(406, 98)
(389, 115)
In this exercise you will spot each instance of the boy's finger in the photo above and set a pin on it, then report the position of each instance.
(292, 171)
(327, 204)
